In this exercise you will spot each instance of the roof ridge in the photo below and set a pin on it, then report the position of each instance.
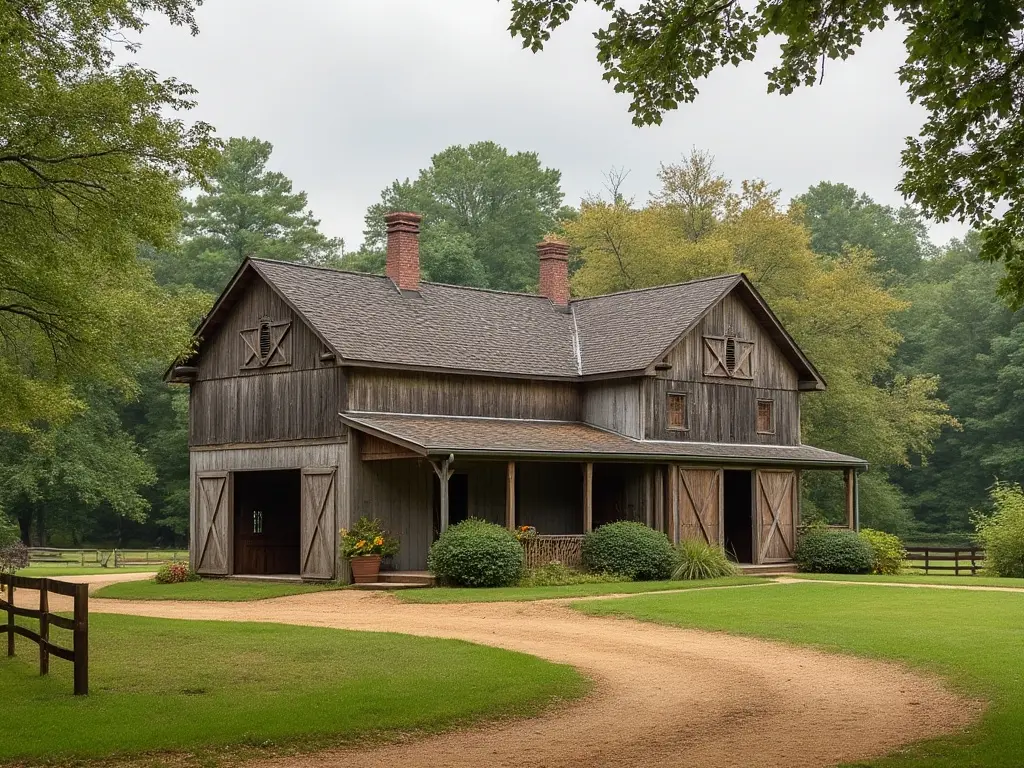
(485, 290)
(659, 287)
(303, 265)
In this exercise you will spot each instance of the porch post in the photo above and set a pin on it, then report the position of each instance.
(444, 474)
(851, 479)
(648, 497)
(856, 500)
(673, 503)
(659, 498)
(588, 497)
(510, 496)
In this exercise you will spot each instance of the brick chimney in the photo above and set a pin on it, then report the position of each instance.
(554, 271)
(403, 257)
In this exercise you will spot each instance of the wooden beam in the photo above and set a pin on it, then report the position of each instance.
(850, 480)
(444, 474)
(588, 497)
(649, 496)
(659, 498)
(510, 496)
(673, 502)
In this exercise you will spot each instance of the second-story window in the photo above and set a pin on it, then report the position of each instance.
(766, 417)
(677, 417)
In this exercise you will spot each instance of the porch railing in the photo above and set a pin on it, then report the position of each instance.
(544, 549)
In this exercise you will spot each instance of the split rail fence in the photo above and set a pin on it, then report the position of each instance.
(78, 654)
(103, 558)
(943, 560)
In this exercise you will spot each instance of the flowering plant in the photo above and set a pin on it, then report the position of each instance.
(525, 532)
(175, 573)
(367, 537)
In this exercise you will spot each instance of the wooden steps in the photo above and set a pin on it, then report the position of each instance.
(399, 580)
(770, 569)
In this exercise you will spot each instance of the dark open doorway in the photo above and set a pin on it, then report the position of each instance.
(739, 514)
(267, 522)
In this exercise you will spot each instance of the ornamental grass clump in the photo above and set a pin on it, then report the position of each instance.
(696, 559)
(887, 552)
(629, 549)
(826, 550)
(475, 553)
(1001, 532)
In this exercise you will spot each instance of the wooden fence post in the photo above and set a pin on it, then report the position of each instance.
(81, 640)
(44, 627)
(10, 618)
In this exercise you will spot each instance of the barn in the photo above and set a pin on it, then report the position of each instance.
(318, 396)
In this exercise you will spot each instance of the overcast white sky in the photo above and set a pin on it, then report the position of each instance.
(354, 94)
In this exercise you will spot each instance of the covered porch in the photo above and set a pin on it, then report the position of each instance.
(420, 474)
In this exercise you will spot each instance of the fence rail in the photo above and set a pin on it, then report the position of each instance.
(78, 654)
(103, 558)
(945, 559)
(541, 550)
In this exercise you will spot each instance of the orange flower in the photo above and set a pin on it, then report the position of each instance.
(361, 543)
(379, 541)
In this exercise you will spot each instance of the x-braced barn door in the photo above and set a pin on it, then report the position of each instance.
(700, 505)
(213, 523)
(317, 523)
(776, 515)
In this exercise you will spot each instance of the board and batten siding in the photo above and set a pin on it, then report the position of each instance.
(718, 413)
(615, 405)
(731, 317)
(324, 456)
(283, 405)
(455, 395)
(222, 353)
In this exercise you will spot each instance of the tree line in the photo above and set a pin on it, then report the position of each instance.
(118, 230)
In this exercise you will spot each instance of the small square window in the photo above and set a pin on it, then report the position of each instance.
(766, 417)
(677, 417)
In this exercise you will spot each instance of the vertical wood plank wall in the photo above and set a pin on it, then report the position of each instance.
(229, 404)
(614, 405)
(453, 395)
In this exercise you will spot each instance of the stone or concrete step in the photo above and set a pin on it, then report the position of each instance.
(424, 578)
(389, 585)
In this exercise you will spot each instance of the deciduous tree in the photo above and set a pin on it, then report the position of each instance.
(964, 65)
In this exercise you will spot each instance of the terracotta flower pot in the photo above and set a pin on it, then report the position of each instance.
(365, 568)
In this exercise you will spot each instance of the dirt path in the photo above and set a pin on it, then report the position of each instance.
(663, 696)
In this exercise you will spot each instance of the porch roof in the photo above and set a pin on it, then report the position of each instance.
(480, 436)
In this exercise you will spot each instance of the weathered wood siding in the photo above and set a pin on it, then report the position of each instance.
(326, 455)
(399, 493)
(720, 413)
(283, 405)
(549, 496)
(771, 369)
(223, 352)
(452, 395)
(486, 481)
(232, 404)
(615, 405)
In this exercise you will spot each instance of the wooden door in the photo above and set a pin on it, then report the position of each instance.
(776, 515)
(317, 523)
(700, 505)
(213, 523)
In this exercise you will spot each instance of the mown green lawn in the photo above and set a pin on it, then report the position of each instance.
(217, 590)
(56, 571)
(974, 639)
(915, 578)
(522, 594)
(197, 686)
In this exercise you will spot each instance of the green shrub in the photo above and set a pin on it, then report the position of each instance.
(887, 552)
(1001, 532)
(175, 573)
(558, 575)
(475, 553)
(629, 549)
(825, 550)
(696, 559)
